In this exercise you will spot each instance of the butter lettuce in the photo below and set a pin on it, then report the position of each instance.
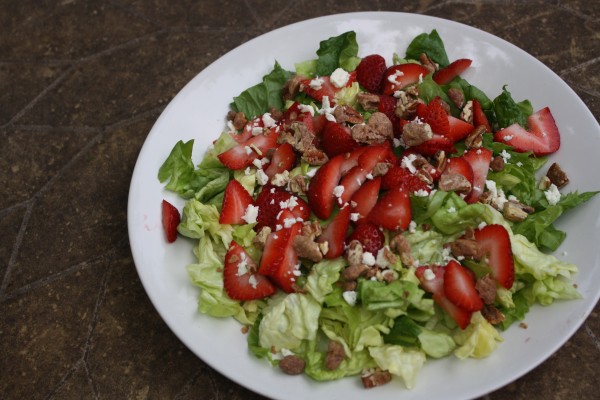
(404, 363)
(323, 276)
(202, 220)
(478, 340)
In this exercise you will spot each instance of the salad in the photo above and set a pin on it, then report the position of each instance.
(358, 218)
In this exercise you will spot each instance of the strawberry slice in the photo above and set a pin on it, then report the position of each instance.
(459, 287)
(370, 71)
(242, 155)
(235, 201)
(542, 138)
(269, 202)
(248, 130)
(322, 86)
(274, 252)
(437, 117)
(392, 210)
(351, 159)
(337, 139)
(479, 117)
(480, 160)
(435, 285)
(435, 144)
(495, 244)
(335, 233)
(458, 165)
(398, 77)
(366, 197)
(399, 176)
(458, 129)
(451, 71)
(283, 159)
(320, 191)
(370, 237)
(239, 278)
(374, 154)
(351, 182)
(170, 220)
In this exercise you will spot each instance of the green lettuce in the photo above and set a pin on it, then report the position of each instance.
(455, 215)
(398, 295)
(337, 52)
(202, 220)
(509, 112)
(323, 276)
(354, 365)
(477, 340)
(406, 332)
(430, 44)
(404, 363)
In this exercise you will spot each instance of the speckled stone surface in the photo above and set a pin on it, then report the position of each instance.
(81, 84)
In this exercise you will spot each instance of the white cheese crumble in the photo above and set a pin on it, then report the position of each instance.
(250, 214)
(248, 150)
(252, 281)
(288, 222)
(354, 217)
(338, 191)
(505, 155)
(316, 84)
(498, 196)
(327, 110)
(428, 275)
(281, 179)
(231, 127)
(268, 120)
(482, 225)
(519, 164)
(451, 210)
(306, 108)
(446, 254)
(507, 138)
(261, 177)
(381, 259)
(368, 259)
(412, 227)
(311, 172)
(396, 74)
(242, 267)
(257, 130)
(552, 195)
(350, 297)
(407, 162)
(421, 193)
(339, 78)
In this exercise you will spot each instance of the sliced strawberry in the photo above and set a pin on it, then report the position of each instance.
(387, 105)
(242, 155)
(282, 269)
(240, 280)
(235, 201)
(319, 122)
(325, 88)
(451, 71)
(274, 252)
(269, 202)
(374, 154)
(337, 139)
(283, 159)
(370, 237)
(458, 165)
(459, 287)
(392, 210)
(170, 220)
(369, 72)
(335, 233)
(398, 176)
(480, 160)
(458, 129)
(436, 285)
(436, 117)
(351, 159)
(435, 144)
(351, 182)
(542, 138)
(400, 76)
(320, 191)
(479, 117)
(495, 244)
(366, 197)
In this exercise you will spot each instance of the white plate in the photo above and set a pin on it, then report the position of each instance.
(198, 112)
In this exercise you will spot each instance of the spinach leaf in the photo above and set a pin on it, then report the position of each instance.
(430, 44)
(509, 112)
(338, 51)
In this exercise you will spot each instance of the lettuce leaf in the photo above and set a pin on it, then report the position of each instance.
(338, 51)
(202, 220)
(404, 363)
(508, 111)
(455, 215)
(323, 276)
(315, 365)
(477, 340)
(399, 295)
(430, 44)
(257, 99)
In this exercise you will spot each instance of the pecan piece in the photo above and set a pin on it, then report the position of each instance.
(457, 96)
(467, 112)
(347, 114)
(401, 246)
(314, 156)
(428, 62)
(466, 248)
(415, 133)
(486, 287)
(497, 164)
(368, 101)
(292, 365)
(353, 272)
(375, 378)
(474, 139)
(492, 314)
(292, 87)
(376, 131)
(335, 355)
(261, 237)
(557, 175)
(307, 248)
(516, 211)
(454, 182)
(354, 253)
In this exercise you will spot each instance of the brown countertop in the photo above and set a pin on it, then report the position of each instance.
(81, 84)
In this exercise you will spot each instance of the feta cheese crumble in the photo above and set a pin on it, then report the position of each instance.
(339, 78)
(368, 259)
(316, 84)
(552, 195)
(338, 191)
(251, 214)
(350, 297)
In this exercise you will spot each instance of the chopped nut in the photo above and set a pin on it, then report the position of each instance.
(440, 161)
(292, 365)
(368, 101)
(352, 272)
(545, 183)
(324, 247)
(378, 130)
(467, 112)
(406, 107)
(457, 96)
(474, 139)
(311, 229)
(497, 164)
(375, 378)
(492, 314)
(275, 114)
(425, 176)
(485, 198)
(389, 256)
(428, 62)
(486, 287)
(467, 248)
(513, 212)
(292, 87)
(354, 253)
(314, 156)
(348, 286)
(307, 248)
(400, 245)
(415, 133)
(239, 120)
(454, 182)
(298, 184)
(261, 237)
(347, 114)
(523, 325)
(557, 175)
(335, 355)
(380, 169)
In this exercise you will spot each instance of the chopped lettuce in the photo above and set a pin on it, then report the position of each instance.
(323, 276)
(201, 220)
(478, 340)
(404, 363)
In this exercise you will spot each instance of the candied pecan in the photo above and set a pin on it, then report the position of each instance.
(275, 113)
(474, 139)
(406, 106)
(415, 133)
(440, 160)
(389, 256)
(454, 182)
(545, 183)
(352, 272)
(380, 169)
(239, 120)
(349, 286)
(298, 184)
(304, 139)
(375, 378)
(557, 175)
(457, 96)
(485, 198)
(354, 253)
(401, 246)
(311, 229)
(388, 275)
(314, 156)
(292, 87)
(376, 131)
(497, 164)
(492, 314)
(424, 175)
(347, 114)
(516, 211)
(292, 365)
(307, 248)
(368, 101)
(231, 115)
(466, 248)
(261, 237)
(335, 355)
(428, 62)
(486, 287)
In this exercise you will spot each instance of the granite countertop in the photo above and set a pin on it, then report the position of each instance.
(81, 84)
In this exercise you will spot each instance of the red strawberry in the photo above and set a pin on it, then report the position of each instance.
(269, 202)
(400, 76)
(374, 154)
(459, 287)
(392, 210)
(235, 201)
(242, 155)
(370, 237)
(369, 72)
(458, 165)
(398, 176)
(435, 144)
(319, 122)
(274, 251)
(461, 316)
(479, 117)
(458, 129)
(320, 190)
(387, 105)
(437, 118)
(240, 280)
(351, 159)
(170, 220)
(337, 139)
(327, 88)
(495, 244)
(351, 182)
(335, 233)
(365, 197)
(542, 138)
(454, 69)
(479, 159)
(283, 159)
(246, 133)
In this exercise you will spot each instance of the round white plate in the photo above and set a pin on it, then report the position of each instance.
(198, 112)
